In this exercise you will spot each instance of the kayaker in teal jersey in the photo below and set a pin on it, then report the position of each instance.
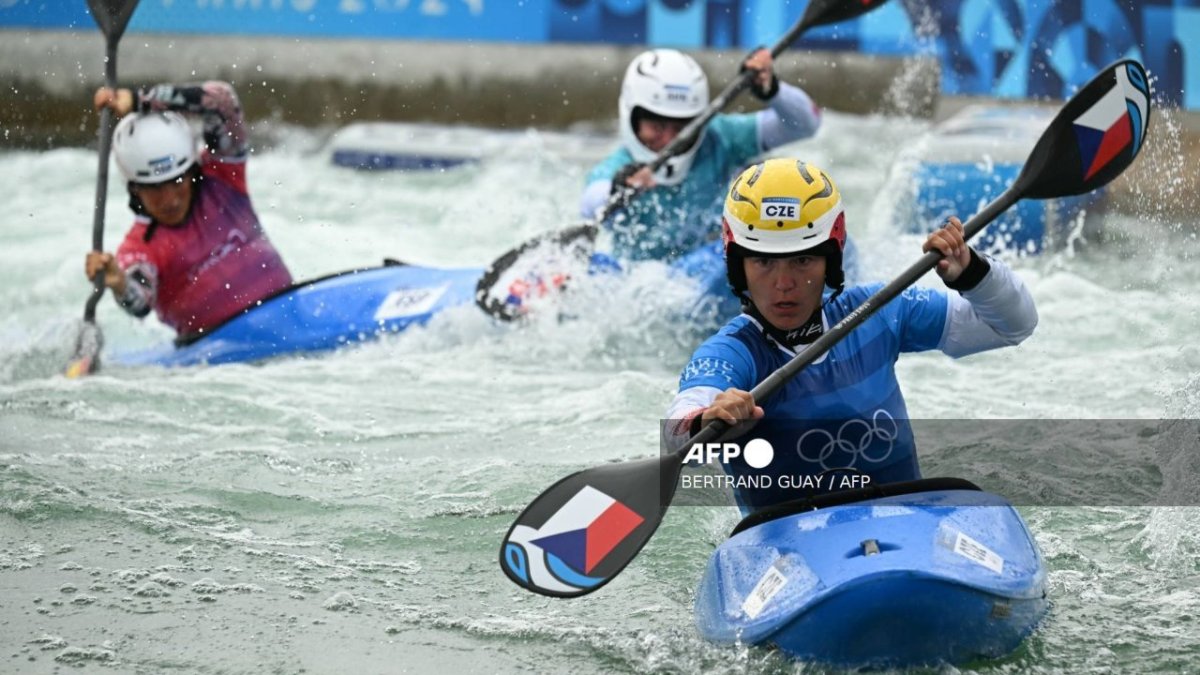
(784, 230)
(680, 208)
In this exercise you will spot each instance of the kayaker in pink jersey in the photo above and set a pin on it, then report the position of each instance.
(196, 253)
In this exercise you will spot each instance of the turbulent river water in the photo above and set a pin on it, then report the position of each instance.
(342, 513)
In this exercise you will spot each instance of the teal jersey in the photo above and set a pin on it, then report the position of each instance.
(666, 222)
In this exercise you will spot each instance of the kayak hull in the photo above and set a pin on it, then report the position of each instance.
(324, 314)
(957, 577)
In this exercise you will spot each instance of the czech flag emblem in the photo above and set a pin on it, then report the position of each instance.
(562, 554)
(1115, 122)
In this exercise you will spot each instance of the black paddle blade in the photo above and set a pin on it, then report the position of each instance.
(534, 269)
(112, 16)
(583, 530)
(1093, 138)
(821, 12)
(86, 359)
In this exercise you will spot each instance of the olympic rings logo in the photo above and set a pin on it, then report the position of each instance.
(854, 439)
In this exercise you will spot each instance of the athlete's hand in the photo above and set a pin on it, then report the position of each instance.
(763, 66)
(633, 175)
(114, 276)
(735, 407)
(950, 242)
(120, 100)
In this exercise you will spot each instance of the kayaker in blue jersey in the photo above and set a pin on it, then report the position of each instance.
(784, 230)
(662, 91)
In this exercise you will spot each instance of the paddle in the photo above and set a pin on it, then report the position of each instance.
(112, 16)
(582, 531)
(493, 297)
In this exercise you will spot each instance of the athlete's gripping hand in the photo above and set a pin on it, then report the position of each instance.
(635, 175)
(120, 100)
(736, 408)
(765, 84)
(950, 242)
(114, 276)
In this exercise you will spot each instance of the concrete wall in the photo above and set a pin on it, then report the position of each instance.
(49, 77)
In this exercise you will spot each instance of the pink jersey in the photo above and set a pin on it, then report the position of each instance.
(215, 264)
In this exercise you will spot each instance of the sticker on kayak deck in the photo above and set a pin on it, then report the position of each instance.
(409, 302)
(771, 583)
(977, 552)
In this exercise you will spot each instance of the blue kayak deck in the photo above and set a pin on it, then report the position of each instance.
(957, 576)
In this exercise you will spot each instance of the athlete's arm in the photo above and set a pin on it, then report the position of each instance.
(599, 182)
(713, 385)
(992, 308)
(792, 116)
(594, 197)
(217, 105)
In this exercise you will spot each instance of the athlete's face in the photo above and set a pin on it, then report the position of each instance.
(167, 202)
(656, 132)
(786, 290)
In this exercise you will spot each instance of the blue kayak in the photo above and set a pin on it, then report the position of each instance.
(323, 314)
(932, 577)
(361, 305)
(972, 158)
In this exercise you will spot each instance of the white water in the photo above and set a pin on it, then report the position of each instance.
(344, 512)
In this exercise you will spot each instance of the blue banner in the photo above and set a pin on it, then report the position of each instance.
(1008, 48)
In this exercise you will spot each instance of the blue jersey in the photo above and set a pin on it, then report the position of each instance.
(844, 411)
(668, 221)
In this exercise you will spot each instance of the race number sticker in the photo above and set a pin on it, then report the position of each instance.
(409, 302)
(978, 553)
(771, 583)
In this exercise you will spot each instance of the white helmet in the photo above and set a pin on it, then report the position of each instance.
(154, 147)
(667, 83)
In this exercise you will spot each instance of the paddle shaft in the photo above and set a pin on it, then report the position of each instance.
(714, 429)
(106, 134)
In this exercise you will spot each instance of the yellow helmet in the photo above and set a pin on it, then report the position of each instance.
(783, 207)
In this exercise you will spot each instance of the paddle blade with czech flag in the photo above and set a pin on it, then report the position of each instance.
(1094, 137)
(584, 530)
